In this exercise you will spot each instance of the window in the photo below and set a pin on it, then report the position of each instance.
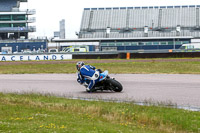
(127, 44)
(170, 43)
(5, 25)
(185, 42)
(109, 48)
(148, 43)
(178, 42)
(163, 43)
(86, 8)
(103, 44)
(182, 47)
(5, 17)
(119, 44)
(155, 43)
(134, 43)
(76, 50)
(19, 17)
(19, 25)
(111, 44)
(141, 43)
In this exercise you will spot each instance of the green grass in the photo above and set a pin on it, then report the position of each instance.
(35, 113)
(171, 67)
(37, 68)
(153, 67)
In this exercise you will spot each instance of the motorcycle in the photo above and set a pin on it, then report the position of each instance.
(105, 83)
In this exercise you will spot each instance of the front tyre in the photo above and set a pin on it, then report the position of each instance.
(116, 86)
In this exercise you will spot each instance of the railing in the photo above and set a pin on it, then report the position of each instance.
(24, 40)
(31, 11)
(18, 29)
(28, 11)
(31, 20)
(136, 51)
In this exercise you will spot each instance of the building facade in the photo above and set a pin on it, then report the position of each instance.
(14, 23)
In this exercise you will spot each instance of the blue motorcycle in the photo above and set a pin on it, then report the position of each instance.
(106, 83)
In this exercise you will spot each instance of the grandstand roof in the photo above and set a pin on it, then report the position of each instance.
(145, 7)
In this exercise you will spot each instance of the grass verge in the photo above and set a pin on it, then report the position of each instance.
(35, 113)
(170, 67)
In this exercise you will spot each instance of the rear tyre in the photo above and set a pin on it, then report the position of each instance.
(116, 86)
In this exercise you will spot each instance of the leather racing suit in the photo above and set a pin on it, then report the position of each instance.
(89, 73)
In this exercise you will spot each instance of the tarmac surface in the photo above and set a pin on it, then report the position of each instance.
(179, 89)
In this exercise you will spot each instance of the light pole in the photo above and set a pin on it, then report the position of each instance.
(18, 32)
(174, 42)
(17, 48)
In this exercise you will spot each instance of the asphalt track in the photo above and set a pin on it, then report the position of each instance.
(180, 89)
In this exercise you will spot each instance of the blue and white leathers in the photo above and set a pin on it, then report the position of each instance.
(88, 72)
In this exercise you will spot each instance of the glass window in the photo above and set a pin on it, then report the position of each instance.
(155, 43)
(134, 43)
(177, 42)
(185, 42)
(19, 17)
(76, 50)
(127, 44)
(103, 44)
(122, 7)
(109, 48)
(5, 17)
(148, 43)
(163, 43)
(86, 8)
(111, 44)
(170, 43)
(141, 43)
(5, 25)
(19, 25)
(119, 44)
(182, 47)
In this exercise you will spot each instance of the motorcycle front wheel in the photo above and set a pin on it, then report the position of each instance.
(116, 86)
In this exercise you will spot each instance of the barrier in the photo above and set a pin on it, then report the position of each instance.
(95, 55)
(127, 56)
(124, 55)
(136, 55)
(35, 57)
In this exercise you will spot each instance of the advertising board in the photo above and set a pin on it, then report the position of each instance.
(35, 57)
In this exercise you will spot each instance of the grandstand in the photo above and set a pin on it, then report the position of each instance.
(14, 23)
(139, 28)
(127, 22)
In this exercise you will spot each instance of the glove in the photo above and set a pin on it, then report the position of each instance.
(79, 81)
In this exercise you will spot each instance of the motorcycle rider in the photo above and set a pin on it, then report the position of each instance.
(89, 73)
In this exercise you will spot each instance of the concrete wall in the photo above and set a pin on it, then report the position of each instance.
(136, 55)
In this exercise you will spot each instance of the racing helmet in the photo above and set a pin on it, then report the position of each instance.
(79, 65)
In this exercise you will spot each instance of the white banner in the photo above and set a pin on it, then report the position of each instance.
(35, 57)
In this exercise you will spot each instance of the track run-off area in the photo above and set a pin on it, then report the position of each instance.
(177, 89)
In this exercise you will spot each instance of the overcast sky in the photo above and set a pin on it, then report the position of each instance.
(50, 12)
